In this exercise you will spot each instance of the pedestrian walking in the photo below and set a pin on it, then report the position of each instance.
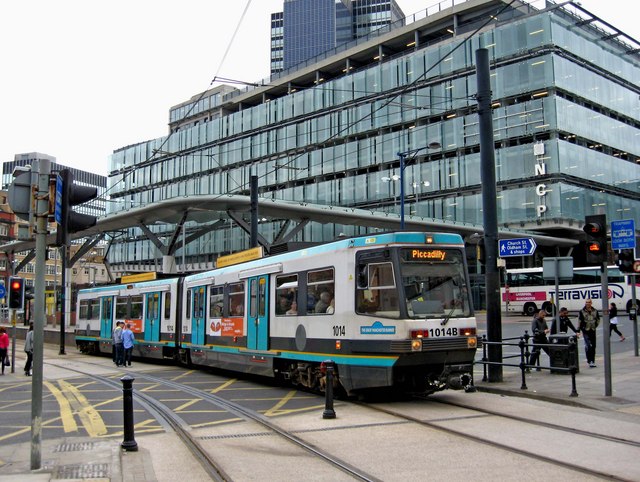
(565, 323)
(539, 329)
(127, 342)
(117, 344)
(4, 347)
(613, 321)
(28, 349)
(589, 321)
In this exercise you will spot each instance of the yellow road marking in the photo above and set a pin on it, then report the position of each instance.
(182, 375)
(185, 405)
(89, 416)
(66, 414)
(224, 385)
(273, 410)
(16, 385)
(149, 388)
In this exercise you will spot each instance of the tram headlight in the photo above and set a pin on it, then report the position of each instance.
(472, 342)
(416, 345)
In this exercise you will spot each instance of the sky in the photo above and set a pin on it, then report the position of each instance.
(83, 78)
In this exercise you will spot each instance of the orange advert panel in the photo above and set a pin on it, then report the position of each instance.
(136, 325)
(227, 327)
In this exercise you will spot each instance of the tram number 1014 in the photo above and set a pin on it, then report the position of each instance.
(339, 330)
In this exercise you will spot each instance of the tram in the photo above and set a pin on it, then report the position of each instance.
(389, 310)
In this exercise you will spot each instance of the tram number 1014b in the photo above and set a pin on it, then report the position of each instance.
(438, 332)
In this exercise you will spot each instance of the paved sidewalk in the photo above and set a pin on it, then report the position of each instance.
(590, 383)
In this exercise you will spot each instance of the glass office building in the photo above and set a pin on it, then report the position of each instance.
(566, 122)
(308, 28)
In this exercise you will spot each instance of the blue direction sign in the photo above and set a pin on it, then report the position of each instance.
(57, 214)
(623, 234)
(3, 291)
(516, 247)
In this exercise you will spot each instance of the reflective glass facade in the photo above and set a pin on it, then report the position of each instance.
(566, 130)
(308, 28)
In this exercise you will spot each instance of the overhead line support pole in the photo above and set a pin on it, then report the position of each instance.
(489, 214)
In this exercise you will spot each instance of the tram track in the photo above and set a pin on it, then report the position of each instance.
(440, 425)
(408, 414)
(209, 464)
(538, 423)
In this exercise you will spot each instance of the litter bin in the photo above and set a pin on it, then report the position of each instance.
(561, 355)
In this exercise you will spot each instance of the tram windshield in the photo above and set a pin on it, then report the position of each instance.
(434, 282)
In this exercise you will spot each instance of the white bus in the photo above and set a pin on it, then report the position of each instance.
(526, 291)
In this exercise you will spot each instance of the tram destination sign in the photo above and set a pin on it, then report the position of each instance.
(516, 247)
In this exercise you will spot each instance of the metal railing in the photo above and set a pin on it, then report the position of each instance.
(570, 354)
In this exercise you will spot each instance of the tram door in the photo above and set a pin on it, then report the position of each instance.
(198, 321)
(257, 318)
(152, 317)
(106, 317)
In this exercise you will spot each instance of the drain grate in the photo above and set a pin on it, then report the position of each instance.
(236, 435)
(82, 471)
(74, 447)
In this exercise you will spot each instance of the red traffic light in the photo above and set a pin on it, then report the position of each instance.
(594, 229)
(16, 285)
(594, 247)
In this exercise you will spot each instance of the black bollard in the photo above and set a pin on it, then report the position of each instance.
(329, 412)
(523, 365)
(129, 443)
(573, 366)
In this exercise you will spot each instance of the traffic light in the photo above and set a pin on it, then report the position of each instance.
(596, 243)
(68, 195)
(626, 260)
(16, 293)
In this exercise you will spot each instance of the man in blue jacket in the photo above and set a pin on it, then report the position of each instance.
(127, 342)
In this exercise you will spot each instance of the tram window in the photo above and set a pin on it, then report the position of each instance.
(94, 309)
(167, 306)
(236, 299)
(198, 302)
(188, 314)
(381, 295)
(152, 306)
(121, 308)
(320, 291)
(253, 294)
(287, 294)
(136, 306)
(107, 303)
(84, 309)
(216, 301)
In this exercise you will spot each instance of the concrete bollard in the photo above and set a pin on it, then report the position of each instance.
(329, 412)
(129, 443)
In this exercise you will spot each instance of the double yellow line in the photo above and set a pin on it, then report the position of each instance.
(72, 401)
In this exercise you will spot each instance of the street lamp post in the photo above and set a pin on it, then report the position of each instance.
(403, 164)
